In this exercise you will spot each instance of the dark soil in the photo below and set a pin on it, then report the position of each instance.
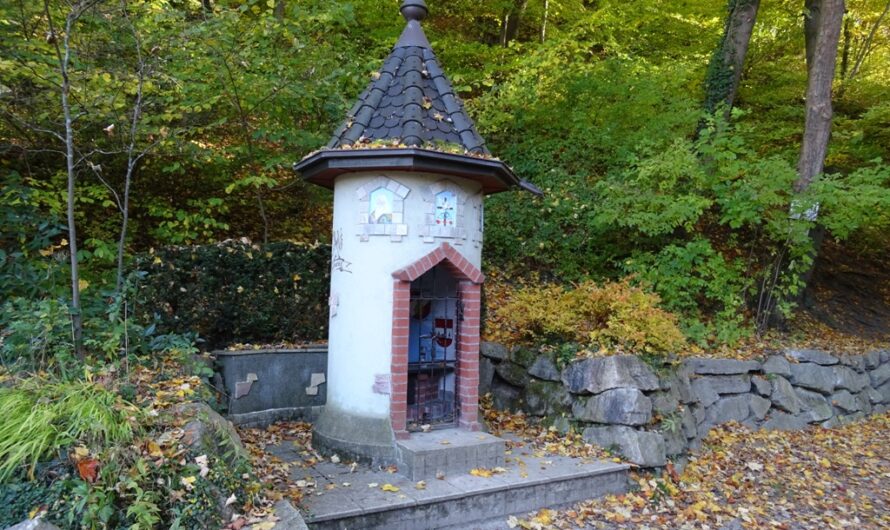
(851, 293)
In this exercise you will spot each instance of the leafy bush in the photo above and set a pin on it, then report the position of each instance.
(18, 499)
(238, 292)
(616, 315)
(700, 284)
(41, 416)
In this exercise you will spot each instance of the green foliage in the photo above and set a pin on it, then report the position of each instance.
(43, 416)
(27, 265)
(238, 292)
(615, 315)
(697, 282)
(35, 333)
(17, 499)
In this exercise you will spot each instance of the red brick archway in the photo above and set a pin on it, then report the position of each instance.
(469, 280)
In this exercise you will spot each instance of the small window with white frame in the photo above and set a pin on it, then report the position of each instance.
(445, 204)
(382, 209)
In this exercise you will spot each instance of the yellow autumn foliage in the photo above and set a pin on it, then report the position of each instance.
(615, 315)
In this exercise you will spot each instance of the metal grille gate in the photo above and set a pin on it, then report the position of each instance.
(432, 354)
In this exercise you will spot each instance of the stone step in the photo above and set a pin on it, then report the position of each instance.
(461, 501)
(451, 451)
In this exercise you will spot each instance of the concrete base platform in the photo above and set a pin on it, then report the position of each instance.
(352, 500)
(451, 451)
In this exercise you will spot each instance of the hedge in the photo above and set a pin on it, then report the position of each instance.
(237, 292)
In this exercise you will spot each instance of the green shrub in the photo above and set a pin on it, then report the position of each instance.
(615, 315)
(238, 292)
(697, 282)
(18, 499)
(42, 416)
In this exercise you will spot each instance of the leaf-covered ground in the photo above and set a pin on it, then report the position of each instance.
(812, 479)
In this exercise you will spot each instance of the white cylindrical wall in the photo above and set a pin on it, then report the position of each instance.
(360, 336)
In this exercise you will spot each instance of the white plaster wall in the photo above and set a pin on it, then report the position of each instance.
(360, 337)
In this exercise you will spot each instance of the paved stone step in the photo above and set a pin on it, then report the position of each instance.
(451, 451)
(460, 501)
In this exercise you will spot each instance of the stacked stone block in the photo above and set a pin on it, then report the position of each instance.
(653, 415)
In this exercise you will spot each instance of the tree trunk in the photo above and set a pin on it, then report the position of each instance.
(845, 54)
(510, 26)
(280, 9)
(822, 59)
(544, 22)
(812, 11)
(725, 69)
(64, 56)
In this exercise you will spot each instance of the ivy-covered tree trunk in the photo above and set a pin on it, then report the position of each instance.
(725, 69)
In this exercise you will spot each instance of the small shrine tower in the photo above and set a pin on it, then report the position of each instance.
(409, 173)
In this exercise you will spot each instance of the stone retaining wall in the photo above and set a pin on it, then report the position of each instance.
(652, 415)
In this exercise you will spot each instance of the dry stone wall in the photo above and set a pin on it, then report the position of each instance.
(651, 415)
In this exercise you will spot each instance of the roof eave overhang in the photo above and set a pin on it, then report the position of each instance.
(323, 167)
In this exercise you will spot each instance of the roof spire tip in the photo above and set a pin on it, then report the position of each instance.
(414, 10)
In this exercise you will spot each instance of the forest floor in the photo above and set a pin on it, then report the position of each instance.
(813, 479)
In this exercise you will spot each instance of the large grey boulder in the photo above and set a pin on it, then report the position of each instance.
(873, 395)
(729, 384)
(504, 396)
(856, 362)
(34, 524)
(512, 373)
(814, 405)
(544, 398)
(544, 368)
(762, 386)
(493, 350)
(846, 377)
(884, 390)
(864, 403)
(704, 366)
(486, 374)
(592, 376)
(732, 408)
(206, 432)
(872, 359)
(624, 406)
(759, 406)
(780, 421)
(880, 375)
(813, 377)
(523, 356)
(690, 427)
(664, 403)
(680, 385)
(640, 447)
(776, 364)
(845, 401)
(783, 395)
(704, 392)
(812, 356)
(674, 440)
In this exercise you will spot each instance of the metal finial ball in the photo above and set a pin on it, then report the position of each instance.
(414, 10)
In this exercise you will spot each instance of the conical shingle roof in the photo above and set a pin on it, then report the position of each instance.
(410, 119)
(411, 102)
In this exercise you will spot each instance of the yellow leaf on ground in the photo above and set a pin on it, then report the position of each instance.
(389, 487)
(481, 472)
